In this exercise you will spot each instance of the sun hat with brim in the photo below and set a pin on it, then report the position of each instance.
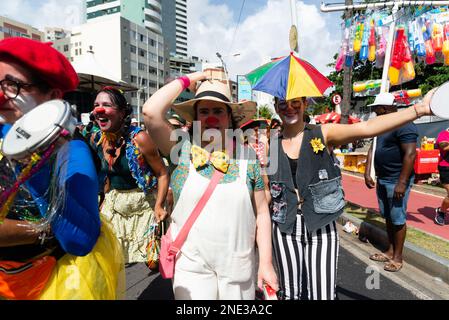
(383, 99)
(255, 123)
(215, 90)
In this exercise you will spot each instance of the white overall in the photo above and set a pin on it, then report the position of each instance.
(217, 259)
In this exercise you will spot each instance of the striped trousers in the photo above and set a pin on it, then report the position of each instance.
(307, 262)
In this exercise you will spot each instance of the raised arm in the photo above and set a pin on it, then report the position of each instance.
(338, 134)
(155, 109)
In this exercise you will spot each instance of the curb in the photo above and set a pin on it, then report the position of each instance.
(420, 258)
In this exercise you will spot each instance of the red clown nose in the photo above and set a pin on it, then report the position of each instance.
(212, 122)
(99, 110)
(2, 98)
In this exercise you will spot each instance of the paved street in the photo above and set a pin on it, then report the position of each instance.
(353, 277)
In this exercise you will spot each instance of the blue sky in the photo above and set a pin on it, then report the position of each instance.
(261, 34)
(252, 6)
(263, 31)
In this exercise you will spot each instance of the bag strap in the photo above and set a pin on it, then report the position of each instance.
(182, 236)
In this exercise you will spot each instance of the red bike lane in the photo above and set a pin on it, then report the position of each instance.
(421, 206)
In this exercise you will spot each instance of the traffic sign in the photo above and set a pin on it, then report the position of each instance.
(336, 99)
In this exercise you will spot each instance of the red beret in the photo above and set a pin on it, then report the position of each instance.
(43, 60)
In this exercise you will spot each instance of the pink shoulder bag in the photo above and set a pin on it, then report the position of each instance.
(170, 248)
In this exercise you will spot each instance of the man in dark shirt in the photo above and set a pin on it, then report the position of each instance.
(393, 161)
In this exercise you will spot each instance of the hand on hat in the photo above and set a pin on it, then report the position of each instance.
(195, 79)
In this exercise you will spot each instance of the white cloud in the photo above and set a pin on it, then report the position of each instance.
(260, 36)
(48, 13)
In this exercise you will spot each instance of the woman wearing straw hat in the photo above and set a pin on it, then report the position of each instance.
(307, 196)
(217, 260)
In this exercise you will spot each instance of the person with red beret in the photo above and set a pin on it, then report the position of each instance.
(77, 248)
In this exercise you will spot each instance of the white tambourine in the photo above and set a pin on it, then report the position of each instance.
(38, 129)
(439, 103)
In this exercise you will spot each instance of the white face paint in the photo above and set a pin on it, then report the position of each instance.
(292, 119)
(25, 103)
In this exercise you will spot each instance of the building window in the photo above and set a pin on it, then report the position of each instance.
(66, 48)
(133, 49)
(133, 79)
(142, 53)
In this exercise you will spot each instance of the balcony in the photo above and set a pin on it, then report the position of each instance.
(104, 6)
(156, 4)
(153, 14)
(153, 27)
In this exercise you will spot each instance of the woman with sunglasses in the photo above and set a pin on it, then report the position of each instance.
(217, 259)
(307, 196)
(135, 176)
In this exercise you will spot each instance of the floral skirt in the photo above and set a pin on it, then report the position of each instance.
(131, 214)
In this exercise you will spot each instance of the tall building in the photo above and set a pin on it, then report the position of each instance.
(174, 26)
(11, 28)
(128, 51)
(53, 34)
(147, 13)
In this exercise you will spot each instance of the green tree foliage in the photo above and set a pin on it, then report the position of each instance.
(265, 112)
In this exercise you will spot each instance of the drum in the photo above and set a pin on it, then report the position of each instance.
(38, 129)
(439, 104)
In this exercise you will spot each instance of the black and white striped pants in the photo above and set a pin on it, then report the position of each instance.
(307, 262)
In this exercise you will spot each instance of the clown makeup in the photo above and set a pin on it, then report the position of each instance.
(107, 115)
(291, 111)
(213, 115)
(25, 103)
(29, 95)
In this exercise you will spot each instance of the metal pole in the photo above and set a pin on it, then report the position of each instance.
(137, 78)
(294, 16)
(347, 80)
(157, 54)
(385, 86)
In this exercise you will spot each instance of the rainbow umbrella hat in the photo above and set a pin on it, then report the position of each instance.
(289, 78)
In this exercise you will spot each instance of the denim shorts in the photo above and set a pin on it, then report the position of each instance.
(391, 208)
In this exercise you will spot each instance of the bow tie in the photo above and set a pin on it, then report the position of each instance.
(201, 157)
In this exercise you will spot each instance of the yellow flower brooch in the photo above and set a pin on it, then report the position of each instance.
(317, 145)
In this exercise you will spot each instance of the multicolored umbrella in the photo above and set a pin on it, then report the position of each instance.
(289, 78)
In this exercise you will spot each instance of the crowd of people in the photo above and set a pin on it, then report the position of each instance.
(276, 189)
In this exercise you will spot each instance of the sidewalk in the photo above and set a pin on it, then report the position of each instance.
(421, 205)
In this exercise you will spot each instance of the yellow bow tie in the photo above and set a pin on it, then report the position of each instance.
(201, 157)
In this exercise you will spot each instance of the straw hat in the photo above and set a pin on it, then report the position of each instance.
(215, 90)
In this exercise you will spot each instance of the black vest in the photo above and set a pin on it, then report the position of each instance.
(319, 184)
